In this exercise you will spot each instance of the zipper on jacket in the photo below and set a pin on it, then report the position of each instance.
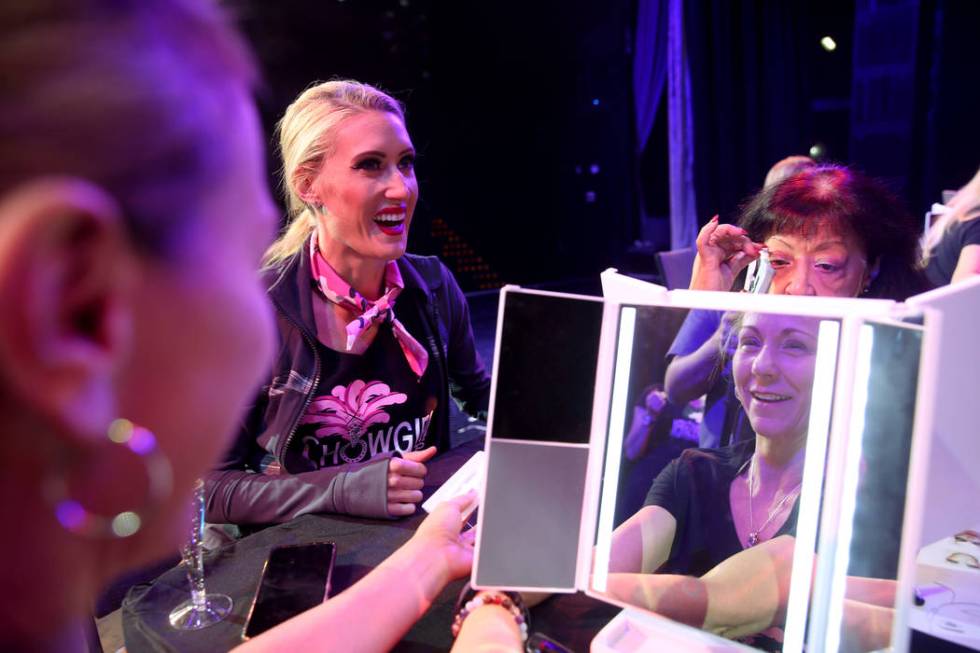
(280, 456)
(430, 314)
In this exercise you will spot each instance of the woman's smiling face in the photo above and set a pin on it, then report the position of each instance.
(773, 370)
(368, 189)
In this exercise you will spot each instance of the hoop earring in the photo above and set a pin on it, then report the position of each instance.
(77, 519)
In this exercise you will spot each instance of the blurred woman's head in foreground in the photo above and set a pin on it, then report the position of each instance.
(133, 214)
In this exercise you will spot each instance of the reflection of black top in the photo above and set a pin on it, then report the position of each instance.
(943, 259)
(694, 489)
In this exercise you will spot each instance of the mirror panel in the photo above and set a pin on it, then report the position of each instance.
(944, 614)
(863, 595)
(548, 347)
(685, 515)
(538, 449)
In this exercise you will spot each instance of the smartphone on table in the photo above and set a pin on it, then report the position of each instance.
(295, 578)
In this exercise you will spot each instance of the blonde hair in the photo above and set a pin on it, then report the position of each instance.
(306, 134)
(131, 95)
(964, 206)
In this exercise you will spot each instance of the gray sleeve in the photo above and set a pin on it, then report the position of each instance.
(244, 497)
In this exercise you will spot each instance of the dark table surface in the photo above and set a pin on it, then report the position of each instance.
(361, 545)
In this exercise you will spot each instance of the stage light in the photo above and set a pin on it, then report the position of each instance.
(828, 44)
(818, 151)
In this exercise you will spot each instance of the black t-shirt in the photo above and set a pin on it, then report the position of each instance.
(694, 489)
(364, 405)
(942, 261)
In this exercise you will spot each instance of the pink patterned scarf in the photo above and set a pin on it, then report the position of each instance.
(338, 291)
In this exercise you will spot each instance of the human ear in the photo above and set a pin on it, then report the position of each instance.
(66, 270)
(304, 184)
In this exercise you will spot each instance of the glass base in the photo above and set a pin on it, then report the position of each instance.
(186, 617)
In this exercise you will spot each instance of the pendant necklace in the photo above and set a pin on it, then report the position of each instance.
(754, 533)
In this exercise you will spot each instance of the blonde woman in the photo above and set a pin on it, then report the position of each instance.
(370, 338)
(129, 146)
(951, 249)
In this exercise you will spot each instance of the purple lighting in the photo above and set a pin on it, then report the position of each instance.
(142, 441)
(70, 514)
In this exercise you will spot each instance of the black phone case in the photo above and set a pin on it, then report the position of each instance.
(294, 579)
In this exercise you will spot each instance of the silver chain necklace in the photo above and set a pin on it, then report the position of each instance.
(753, 538)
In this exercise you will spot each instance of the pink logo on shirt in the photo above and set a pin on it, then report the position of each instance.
(350, 411)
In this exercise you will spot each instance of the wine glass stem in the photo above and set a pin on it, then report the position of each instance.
(194, 552)
(195, 576)
(199, 599)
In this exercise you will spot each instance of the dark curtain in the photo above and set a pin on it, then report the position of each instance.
(660, 67)
(945, 153)
(649, 66)
(750, 96)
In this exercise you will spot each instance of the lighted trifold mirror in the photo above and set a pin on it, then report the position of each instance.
(740, 470)
(770, 510)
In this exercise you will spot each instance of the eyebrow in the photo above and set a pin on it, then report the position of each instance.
(783, 332)
(369, 153)
(789, 330)
(822, 245)
(378, 153)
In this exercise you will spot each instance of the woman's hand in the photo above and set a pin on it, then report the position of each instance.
(438, 552)
(406, 476)
(723, 251)
(439, 535)
(641, 426)
(393, 596)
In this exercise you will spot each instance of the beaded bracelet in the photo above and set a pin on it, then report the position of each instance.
(513, 605)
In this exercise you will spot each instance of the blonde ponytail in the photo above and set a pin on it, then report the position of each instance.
(297, 232)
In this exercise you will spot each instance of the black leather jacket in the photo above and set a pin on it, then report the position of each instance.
(253, 487)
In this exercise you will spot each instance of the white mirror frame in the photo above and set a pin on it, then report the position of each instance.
(850, 373)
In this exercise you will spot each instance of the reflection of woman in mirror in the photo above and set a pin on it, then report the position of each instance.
(709, 508)
(711, 503)
(830, 231)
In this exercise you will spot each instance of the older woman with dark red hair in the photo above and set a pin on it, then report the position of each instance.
(830, 231)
